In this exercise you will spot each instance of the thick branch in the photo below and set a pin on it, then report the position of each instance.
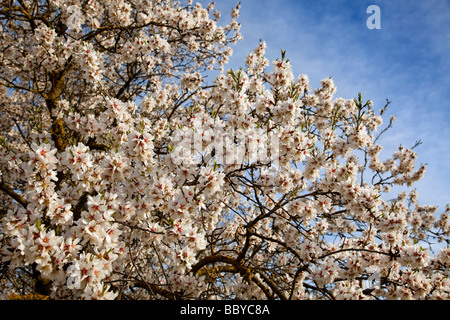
(9, 191)
(246, 272)
(213, 259)
(154, 289)
(51, 99)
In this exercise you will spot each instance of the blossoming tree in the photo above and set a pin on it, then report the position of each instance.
(126, 174)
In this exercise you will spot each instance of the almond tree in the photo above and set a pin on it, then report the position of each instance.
(126, 174)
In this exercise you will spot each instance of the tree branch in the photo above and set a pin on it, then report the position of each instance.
(155, 289)
(9, 191)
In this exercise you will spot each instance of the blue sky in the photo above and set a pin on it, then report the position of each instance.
(406, 61)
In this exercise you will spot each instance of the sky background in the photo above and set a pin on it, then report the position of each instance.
(406, 61)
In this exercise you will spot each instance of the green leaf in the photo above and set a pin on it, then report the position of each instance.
(38, 224)
(232, 74)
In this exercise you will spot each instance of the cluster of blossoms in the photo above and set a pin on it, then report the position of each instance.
(124, 175)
